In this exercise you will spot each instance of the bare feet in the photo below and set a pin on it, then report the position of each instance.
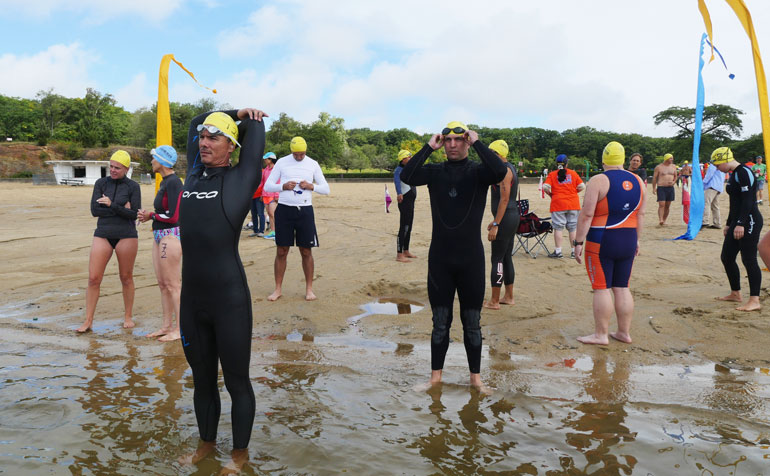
(160, 332)
(204, 449)
(479, 385)
(492, 305)
(309, 296)
(594, 339)
(751, 305)
(402, 259)
(86, 327)
(734, 296)
(508, 301)
(275, 296)
(621, 336)
(409, 255)
(128, 323)
(234, 466)
(171, 336)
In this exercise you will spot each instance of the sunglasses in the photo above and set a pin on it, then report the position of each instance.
(212, 129)
(456, 130)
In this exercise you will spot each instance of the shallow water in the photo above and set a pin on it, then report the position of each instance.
(107, 404)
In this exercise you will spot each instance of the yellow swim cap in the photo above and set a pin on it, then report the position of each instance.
(224, 124)
(614, 154)
(501, 147)
(667, 156)
(122, 157)
(298, 144)
(403, 153)
(454, 128)
(721, 155)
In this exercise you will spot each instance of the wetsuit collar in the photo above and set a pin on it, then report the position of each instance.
(213, 171)
(457, 163)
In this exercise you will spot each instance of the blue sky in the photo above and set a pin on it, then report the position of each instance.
(558, 64)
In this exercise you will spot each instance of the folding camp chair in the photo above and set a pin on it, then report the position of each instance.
(532, 231)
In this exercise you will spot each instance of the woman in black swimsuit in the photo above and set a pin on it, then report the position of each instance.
(115, 201)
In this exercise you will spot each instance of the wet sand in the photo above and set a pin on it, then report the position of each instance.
(337, 391)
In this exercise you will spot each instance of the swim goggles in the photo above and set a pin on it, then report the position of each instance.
(214, 130)
(456, 130)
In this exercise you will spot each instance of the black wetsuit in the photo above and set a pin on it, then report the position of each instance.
(215, 315)
(458, 195)
(502, 248)
(406, 213)
(116, 221)
(742, 190)
(167, 203)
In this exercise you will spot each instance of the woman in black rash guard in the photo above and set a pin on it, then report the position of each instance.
(502, 230)
(215, 302)
(115, 201)
(742, 229)
(458, 194)
(166, 248)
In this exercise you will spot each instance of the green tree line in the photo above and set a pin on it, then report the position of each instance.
(96, 120)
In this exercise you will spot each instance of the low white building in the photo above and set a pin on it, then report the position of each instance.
(82, 172)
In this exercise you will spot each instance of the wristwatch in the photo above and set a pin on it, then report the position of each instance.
(494, 223)
(575, 243)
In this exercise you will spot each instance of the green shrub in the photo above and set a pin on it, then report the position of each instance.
(23, 174)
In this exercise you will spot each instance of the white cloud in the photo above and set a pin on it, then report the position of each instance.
(135, 94)
(62, 67)
(95, 11)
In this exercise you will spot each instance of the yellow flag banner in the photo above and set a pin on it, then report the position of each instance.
(742, 12)
(707, 20)
(163, 126)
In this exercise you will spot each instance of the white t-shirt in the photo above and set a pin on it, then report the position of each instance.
(287, 169)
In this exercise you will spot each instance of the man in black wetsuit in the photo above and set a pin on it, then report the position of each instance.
(215, 314)
(458, 194)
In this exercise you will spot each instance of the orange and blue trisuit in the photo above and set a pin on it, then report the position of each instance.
(612, 239)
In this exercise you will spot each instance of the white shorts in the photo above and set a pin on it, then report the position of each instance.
(565, 219)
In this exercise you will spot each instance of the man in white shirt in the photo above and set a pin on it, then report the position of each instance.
(296, 177)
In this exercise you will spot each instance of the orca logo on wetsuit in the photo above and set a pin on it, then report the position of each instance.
(201, 195)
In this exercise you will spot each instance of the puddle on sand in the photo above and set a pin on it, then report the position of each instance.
(107, 404)
(387, 306)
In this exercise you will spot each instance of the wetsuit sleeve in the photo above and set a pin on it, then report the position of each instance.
(321, 185)
(271, 184)
(414, 173)
(250, 159)
(135, 198)
(193, 154)
(744, 179)
(397, 179)
(173, 194)
(494, 169)
(97, 209)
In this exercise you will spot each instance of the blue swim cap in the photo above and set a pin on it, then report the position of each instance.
(561, 158)
(165, 155)
(269, 155)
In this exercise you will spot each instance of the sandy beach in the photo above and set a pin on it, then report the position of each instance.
(46, 235)
(690, 394)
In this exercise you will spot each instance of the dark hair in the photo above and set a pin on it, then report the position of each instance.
(562, 173)
(636, 154)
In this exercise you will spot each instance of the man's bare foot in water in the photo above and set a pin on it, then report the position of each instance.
(734, 296)
(435, 379)
(621, 336)
(751, 305)
(204, 449)
(171, 336)
(275, 296)
(160, 332)
(476, 383)
(594, 339)
(492, 305)
(309, 296)
(235, 465)
(86, 327)
(409, 255)
(128, 323)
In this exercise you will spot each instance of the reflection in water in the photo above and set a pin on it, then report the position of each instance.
(124, 406)
(388, 306)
